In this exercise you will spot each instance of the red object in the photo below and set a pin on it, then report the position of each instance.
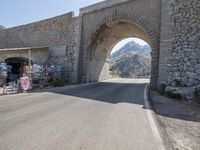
(25, 83)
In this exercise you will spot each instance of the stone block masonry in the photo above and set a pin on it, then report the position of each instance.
(184, 60)
(56, 33)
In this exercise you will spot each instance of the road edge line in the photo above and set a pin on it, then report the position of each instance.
(152, 120)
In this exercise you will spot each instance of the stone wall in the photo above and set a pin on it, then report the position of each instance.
(57, 32)
(184, 60)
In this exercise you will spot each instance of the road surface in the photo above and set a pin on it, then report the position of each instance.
(108, 115)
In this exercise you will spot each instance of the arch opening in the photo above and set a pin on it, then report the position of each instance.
(96, 64)
(130, 58)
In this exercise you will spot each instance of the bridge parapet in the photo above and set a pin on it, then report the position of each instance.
(101, 5)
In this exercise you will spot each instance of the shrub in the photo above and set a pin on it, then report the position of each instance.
(58, 83)
(114, 74)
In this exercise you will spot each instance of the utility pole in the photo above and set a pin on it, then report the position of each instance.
(29, 62)
(29, 66)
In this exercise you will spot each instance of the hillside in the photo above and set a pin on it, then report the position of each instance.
(2, 27)
(132, 60)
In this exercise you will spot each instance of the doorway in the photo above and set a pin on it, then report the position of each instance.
(15, 67)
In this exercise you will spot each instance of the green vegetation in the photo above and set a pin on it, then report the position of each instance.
(58, 83)
(114, 74)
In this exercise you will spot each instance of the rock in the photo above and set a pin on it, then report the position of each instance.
(189, 93)
(198, 72)
(174, 92)
(192, 75)
(197, 67)
(190, 69)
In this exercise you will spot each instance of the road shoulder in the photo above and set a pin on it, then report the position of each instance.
(179, 122)
(156, 130)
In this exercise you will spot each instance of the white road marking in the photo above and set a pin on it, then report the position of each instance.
(152, 121)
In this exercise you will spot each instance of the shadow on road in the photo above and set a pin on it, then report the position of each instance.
(107, 92)
(132, 93)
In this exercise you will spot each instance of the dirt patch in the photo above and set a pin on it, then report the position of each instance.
(179, 120)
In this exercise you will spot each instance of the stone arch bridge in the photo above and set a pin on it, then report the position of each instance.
(82, 43)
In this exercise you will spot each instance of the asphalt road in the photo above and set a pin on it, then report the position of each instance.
(108, 115)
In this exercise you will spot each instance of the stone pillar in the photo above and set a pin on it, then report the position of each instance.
(166, 38)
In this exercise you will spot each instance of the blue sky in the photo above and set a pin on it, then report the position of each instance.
(18, 12)
(123, 42)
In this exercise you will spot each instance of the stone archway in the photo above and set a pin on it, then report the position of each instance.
(104, 35)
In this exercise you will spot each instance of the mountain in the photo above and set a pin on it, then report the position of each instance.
(2, 27)
(131, 47)
(132, 60)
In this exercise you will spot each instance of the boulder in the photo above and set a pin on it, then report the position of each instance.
(174, 92)
(189, 93)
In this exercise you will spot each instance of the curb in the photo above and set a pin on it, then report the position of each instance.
(153, 121)
(51, 89)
